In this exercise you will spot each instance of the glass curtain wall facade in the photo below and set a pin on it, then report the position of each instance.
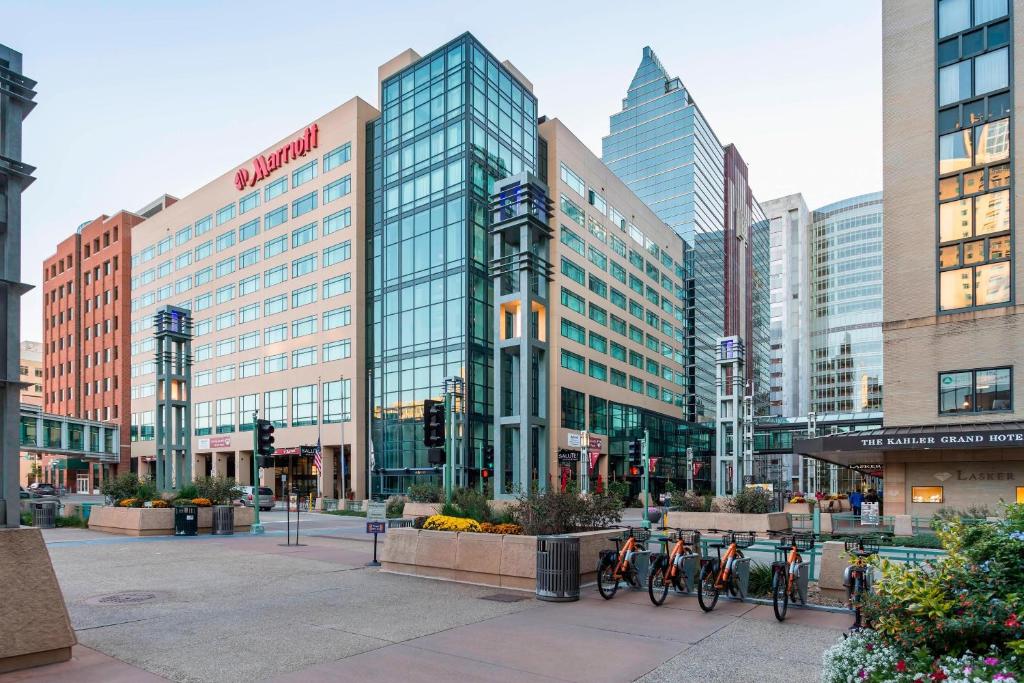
(452, 123)
(846, 306)
(662, 147)
(761, 315)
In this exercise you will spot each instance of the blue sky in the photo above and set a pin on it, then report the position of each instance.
(145, 97)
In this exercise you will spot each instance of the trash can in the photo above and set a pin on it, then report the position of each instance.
(558, 568)
(223, 520)
(87, 509)
(186, 520)
(44, 514)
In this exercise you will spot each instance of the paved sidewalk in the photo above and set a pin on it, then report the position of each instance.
(245, 608)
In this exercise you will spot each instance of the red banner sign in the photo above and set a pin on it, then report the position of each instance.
(654, 463)
(265, 164)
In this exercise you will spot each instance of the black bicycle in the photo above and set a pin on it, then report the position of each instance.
(858, 576)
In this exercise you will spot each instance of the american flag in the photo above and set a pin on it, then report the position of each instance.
(318, 460)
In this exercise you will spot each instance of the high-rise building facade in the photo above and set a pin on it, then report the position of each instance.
(951, 323)
(845, 300)
(452, 123)
(17, 95)
(790, 229)
(31, 373)
(663, 148)
(264, 258)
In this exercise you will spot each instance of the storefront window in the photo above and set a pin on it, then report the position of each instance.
(1020, 495)
(926, 494)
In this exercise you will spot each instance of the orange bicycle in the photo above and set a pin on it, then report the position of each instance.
(786, 574)
(716, 573)
(615, 565)
(668, 569)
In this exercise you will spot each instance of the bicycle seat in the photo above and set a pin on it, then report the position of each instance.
(717, 546)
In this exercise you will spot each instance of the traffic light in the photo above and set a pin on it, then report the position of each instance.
(264, 437)
(485, 472)
(264, 461)
(636, 470)
(433, 424)
(436, 456)
(635, 451)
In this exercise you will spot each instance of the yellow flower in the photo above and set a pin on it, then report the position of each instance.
(446, 523)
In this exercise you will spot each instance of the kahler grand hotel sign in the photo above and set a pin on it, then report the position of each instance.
(937, 439)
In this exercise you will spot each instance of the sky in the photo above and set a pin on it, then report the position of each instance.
(140, 98)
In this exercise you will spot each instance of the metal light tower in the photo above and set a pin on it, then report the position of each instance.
(520, 210)
(729, 441)
(174, 397)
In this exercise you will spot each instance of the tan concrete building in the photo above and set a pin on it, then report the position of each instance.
(616, 306)
(31, 376)
(953, 321)
(268, 257)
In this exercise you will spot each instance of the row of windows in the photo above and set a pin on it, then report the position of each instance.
(974, 255)
(600, 343)
(331, 160)
(597, 370)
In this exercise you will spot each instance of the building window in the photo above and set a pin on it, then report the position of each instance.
(572, 271)
(337, 401)
(976, 391)
(249, 202)
(337, 285)
(304, 173)
(573, 409)
(204, 418)
(926, 494)
(275, 363)
(275, 403)
(337, 253)
(336, 221)
(573, 361)
(573, 331)
(304, 357)
(275, 189)
(572, 180)
(275, 218)
(304, 204)
(247, 405)
(573, 241)
(337, 350)
(303, 235)
(337, 189)
(337, 157)
(304, 402)
(225, 415)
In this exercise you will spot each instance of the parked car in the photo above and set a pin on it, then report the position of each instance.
(267, 500)
(23, 494)
(41, 489)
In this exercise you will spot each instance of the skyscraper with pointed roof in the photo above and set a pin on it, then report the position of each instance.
(661, 145)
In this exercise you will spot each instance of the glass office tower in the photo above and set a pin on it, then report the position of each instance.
(846, 306)
(452, 123)
(662, 147)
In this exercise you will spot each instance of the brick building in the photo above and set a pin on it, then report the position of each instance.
(86, 368)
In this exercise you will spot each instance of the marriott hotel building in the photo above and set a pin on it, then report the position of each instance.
(346, 272)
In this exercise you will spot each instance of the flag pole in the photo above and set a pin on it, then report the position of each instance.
(341, 392)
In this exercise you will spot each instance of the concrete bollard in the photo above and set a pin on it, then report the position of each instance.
(903, 525)
(834, 561)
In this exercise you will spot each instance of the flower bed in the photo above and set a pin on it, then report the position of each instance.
(959, 618)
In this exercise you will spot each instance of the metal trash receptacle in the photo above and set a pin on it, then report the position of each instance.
(186, 520)
(223, 520)
(44, 514)
(558, 568)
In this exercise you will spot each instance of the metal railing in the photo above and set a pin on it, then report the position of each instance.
(849, 523)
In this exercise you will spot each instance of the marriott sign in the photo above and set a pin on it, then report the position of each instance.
(265, 164)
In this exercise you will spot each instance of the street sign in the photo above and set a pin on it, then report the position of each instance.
(376, 527)
(376, 511)
(575, 440)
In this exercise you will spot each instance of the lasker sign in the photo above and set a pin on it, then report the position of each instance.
(265, 164)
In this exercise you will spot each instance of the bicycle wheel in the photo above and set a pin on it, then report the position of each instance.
(853, 592)
(658, 583)
(707, 592)
(780, 594)
(607, 582)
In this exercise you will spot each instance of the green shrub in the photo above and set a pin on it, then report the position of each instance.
(555, 512)
(753, 501)
(181, 501)
(425, 493)
(147, 489)
(472, 504)
(619, 490)
(760, 585)
(120, 487)
(395, 506)
(74, 521)
(26, 518)
(218, 490)
(689, 501)
(188, 491)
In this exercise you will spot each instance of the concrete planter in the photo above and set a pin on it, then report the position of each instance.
(798, 508)
(484, 559)
(773, 521)
(420, 509)
(155, 521)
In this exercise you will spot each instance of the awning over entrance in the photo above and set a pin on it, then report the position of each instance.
(852, 449)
